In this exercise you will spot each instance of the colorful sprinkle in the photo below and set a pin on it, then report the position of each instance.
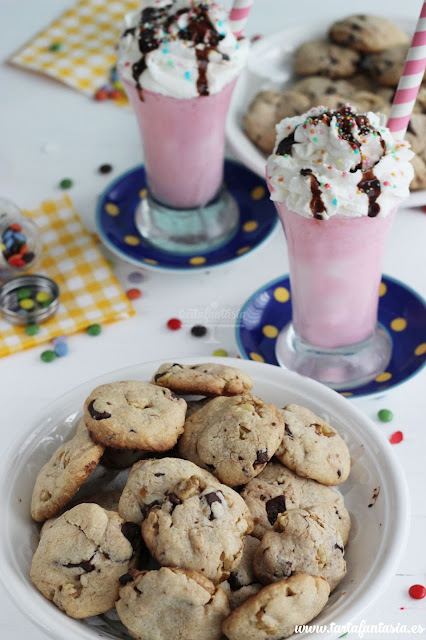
(174, 324)
(335, 202)
(133, 294)
(385, 415)
(198, 331)
(417, 591)
(187, 75)
(396, 437)
(66, 183)
(221, 353)
(94, 330)
(48, 356)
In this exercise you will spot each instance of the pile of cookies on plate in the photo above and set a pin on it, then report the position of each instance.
(360, 62)
(227, 523)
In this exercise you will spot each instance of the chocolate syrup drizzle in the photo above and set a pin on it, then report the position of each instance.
(346, 120)
(155, 22)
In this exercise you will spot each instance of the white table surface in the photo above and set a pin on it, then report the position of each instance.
(82, 134)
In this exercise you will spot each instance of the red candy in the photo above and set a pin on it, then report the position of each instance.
(115, 94)
(396, 437)
(15, 227)
(417, 591)
(133, 294)
(174, 324)
(101, 94)
(16, 260)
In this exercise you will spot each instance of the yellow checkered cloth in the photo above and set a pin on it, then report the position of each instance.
(89, 291)
(87, 34)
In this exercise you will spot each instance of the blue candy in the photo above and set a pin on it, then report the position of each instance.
(20, 236)
(59, 340)
(9, 242)
(61, 349)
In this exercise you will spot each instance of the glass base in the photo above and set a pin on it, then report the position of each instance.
(188, 230)
(344, 368)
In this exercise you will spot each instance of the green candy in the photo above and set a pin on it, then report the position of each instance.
(94, 329)
(48, 356)
(66, 183)
(385, 415)
(55, 46)
(220, 352)
(32, 329)
(23, 293)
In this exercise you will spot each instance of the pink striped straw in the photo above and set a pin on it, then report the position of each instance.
(410, 81)
(239, 15)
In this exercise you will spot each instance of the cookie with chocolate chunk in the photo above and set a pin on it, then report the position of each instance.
(202, 379)
(233, 438)
(367, 33)
(315, 86)
(134, 415)
(320, 57)
(386, 67)
(200, 526)
(242, 583)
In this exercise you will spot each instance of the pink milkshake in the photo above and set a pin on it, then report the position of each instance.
(179, 62)
(336, 179)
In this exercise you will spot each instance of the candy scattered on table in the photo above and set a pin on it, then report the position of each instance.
(417, 591)
(30, 300)
(174, 324)
(66, 183)
(101, 94)
(61, 349)
(55, 46)
(14, 246)
(105, 168)
(94, 330)
(220, 352)
(135, 277)
(48, 356)
(32, 329)
(198, 330)
(396, 437)
(385, 415)
(133, 294)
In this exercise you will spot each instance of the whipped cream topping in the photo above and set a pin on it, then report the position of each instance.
(338, 162)
(180, 48)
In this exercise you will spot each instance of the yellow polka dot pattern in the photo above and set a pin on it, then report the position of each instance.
(196, 260)
(281, 294)
(270, 331)
(112, 209)
(87, 35)
(150, 261)
(143, 193)
(133, 241)
(250, 225)
(258, 193)
(398, 324)
(242, 250)
(383, 289)
(420, 350)
(257, 357)
(384, 377)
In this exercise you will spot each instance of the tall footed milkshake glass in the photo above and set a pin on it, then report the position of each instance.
(179, 62)
(336, 179)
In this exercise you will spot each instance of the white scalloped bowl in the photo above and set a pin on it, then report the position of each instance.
(377, 537)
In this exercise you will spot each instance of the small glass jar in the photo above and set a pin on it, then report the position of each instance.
(20, 242)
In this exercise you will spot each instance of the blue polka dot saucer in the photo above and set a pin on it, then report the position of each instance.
(116, 225)
(402, 313)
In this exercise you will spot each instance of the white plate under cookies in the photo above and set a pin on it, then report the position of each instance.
(377, 537)
(270, 66)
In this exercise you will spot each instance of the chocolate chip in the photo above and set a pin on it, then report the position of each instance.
(210, 498)
(273, 507)
(157, 475)
(146, 507)
(97, 415)
(234, 583)
(336, 546)
(210, 467)
(125, 579)
(261, 458)
(158, 376)
(330, 91)
(288, 432)
(339, 473)
(86, 565)
(172, 497)
(132, 532)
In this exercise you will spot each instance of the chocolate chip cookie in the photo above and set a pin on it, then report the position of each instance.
(151, 480)
(134, 415)
(314, 86)
(200, 526)
(312, 448)
(122, 458)
(320, 57)
(277, 609)
(277, 489)
(300, 542)
(386, 66)
(367, 33)
(62, 476)
(202, 379)
(171, 603)
(80, 559)
(233, 438)
(242, 583)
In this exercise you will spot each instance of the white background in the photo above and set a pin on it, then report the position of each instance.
(82, 134)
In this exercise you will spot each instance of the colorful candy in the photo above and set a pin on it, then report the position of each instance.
(66, 183)
(14, 246)
(55, 46)
(61, 349)
(220, 352)
(133, 294)
(48, 355)
(32, 329)
(105, 168)
(94, 330)
(385, 415)
(417, 591)
(135, 277)
(396, 437)
(174, 324)
(198, 330)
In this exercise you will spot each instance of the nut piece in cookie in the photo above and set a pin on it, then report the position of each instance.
(277, 489)
(61, 477)
(199, 527)
(80, 559)
(242, 583)
(320, 57)
(312, 448)
(171, 603)
(367, 33)
(266, 110)
(300, 542)
(134, 415)
(150, 481)
(233, 438)
(202, 379)
(277, 609)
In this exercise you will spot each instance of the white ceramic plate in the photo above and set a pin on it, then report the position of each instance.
(377, 537)
(270, 66)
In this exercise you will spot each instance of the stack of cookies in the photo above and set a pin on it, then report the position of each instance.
(208, 536)
(360, 62)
